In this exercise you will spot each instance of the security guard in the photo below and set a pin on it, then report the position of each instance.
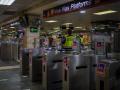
(67, 40)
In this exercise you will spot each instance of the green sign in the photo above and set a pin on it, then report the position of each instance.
(33, 30)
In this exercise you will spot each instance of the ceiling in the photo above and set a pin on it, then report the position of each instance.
(37, 7)
(19, 6)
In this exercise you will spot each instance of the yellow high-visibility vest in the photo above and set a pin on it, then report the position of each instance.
(82, 41)
(69, 41)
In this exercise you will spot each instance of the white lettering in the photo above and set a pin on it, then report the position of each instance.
(65, 9)
(80, 5)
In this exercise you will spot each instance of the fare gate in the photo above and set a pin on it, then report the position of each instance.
(52, 71)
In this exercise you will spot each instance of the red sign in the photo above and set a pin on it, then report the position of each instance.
(66, 62)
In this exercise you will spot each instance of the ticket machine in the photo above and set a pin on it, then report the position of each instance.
(108, 75)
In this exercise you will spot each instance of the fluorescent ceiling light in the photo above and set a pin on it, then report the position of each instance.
(84, 29)
(83, 11)
(56, 28)
(51, 21)
(78, 27)
(67, 23)
(13, 31)
(105, 12)
(12, 27)
(102, 28)
(6, 2)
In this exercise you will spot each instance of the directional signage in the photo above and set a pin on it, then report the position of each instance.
(74, 6)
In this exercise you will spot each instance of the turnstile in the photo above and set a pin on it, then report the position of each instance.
(75, 72)
(9, 51)
(35, 65)
(91, 64)
(52, 70)
(108, 75)
(36, 69)
(25, 62)
(79, 71)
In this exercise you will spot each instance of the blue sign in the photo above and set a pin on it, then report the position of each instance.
(74, 6)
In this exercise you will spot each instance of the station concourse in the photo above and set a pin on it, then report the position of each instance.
(59, 45)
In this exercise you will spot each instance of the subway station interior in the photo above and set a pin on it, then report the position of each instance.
(59, 44)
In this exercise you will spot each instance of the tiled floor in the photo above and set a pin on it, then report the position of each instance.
(12, 80)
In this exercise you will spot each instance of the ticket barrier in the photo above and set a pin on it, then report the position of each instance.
(25, 62)
(52, 70)
(108, 75)
(35, 66)
(92, 64)
(92, 61)
(76, 72)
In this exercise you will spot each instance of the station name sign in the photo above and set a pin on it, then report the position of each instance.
(73, 6)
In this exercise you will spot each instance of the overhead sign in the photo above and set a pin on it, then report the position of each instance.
(73, 6)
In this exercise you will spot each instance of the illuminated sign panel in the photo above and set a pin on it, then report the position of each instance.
(33, 29)
(73, 6)
(68, 7)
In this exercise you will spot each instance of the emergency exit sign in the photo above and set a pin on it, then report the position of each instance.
(33, 30)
